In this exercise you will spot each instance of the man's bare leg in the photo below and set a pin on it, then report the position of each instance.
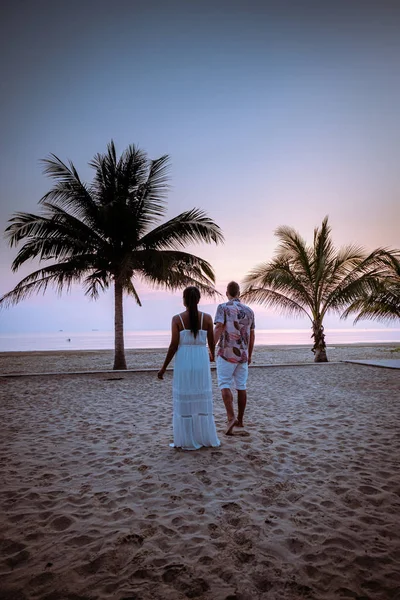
(230, 413)
(242, 400)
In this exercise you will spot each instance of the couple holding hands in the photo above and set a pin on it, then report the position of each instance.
(191, 332)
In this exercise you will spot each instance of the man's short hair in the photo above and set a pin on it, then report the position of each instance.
(233, 289)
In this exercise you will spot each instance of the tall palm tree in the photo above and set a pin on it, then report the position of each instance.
(383, 303)
(107, 233)
(312, 281)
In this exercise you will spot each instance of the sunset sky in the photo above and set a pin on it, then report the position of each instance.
(273, 113)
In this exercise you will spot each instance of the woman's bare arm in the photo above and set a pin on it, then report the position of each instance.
(210, 337)
(173, 347)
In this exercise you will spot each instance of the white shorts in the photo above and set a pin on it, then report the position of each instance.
(228, 372)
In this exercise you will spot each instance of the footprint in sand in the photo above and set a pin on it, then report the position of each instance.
(213, 530)
(172, 571)
(262, 583)
(253, 458)
(9, 547)
(79, 541)
(183, 580)
(231, 507)
(368, 490)
(16, 518)
(240, 539)
(93, 566)
(295, 545)
(233, 520)
(244, 557)
(298, 590)
(202, 475)
(42, 579)
(131, 538)
(61, 523)
(142, 574)
(18, 559)
(206, 560)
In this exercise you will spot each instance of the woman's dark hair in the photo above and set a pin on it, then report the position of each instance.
(191, 298)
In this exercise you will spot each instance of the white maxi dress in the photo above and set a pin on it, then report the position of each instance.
(193, 420)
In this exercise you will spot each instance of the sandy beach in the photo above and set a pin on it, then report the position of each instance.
(94, 504)
(69, 361)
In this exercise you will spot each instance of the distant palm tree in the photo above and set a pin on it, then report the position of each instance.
(313, 280)
(383, 303)
(100, 234)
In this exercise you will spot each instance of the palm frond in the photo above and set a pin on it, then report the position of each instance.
(104, 186)
(157, 185)
(69, 193)
(172, 269)
(87, 230)
(60, 276)
(273, 299)
(358, 275)
(384, 307)
(341, 265)
(178, 280)
(55, 234)
(95, 282)
(131, 191)
(293, 249)
(130, 289)
(25, 225)
(147, 201)
(380, 300)
(323, 252)
(189, 227)
(280, 276)
(56, 169)
(132, 172)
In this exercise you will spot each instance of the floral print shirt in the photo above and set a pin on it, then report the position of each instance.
(234, 341)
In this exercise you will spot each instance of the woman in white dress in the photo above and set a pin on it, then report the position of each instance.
(193, 420)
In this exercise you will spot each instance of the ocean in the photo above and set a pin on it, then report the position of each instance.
(104, 340)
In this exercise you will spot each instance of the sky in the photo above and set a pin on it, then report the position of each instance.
(273, 113)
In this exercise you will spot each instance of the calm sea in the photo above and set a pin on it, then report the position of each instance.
(104, 340)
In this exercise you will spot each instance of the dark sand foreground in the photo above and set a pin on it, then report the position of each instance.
(94, 504)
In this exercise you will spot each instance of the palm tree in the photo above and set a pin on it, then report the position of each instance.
(100, 234)
(313, 280)
(383, 303)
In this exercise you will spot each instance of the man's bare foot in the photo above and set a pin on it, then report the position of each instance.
(231, 425)
(239, 423)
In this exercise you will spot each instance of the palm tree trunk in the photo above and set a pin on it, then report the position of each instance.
(319, 347)
(119, 352)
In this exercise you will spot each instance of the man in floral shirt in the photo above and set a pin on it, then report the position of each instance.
(234, 333)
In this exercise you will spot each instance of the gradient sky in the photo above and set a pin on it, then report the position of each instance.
(272, 112)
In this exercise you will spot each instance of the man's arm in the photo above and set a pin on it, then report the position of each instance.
(251, 344)
(218, 329)
(219, 322)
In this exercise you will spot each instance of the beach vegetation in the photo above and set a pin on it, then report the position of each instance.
(317, 279)
(383, 302)
(109, 233)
